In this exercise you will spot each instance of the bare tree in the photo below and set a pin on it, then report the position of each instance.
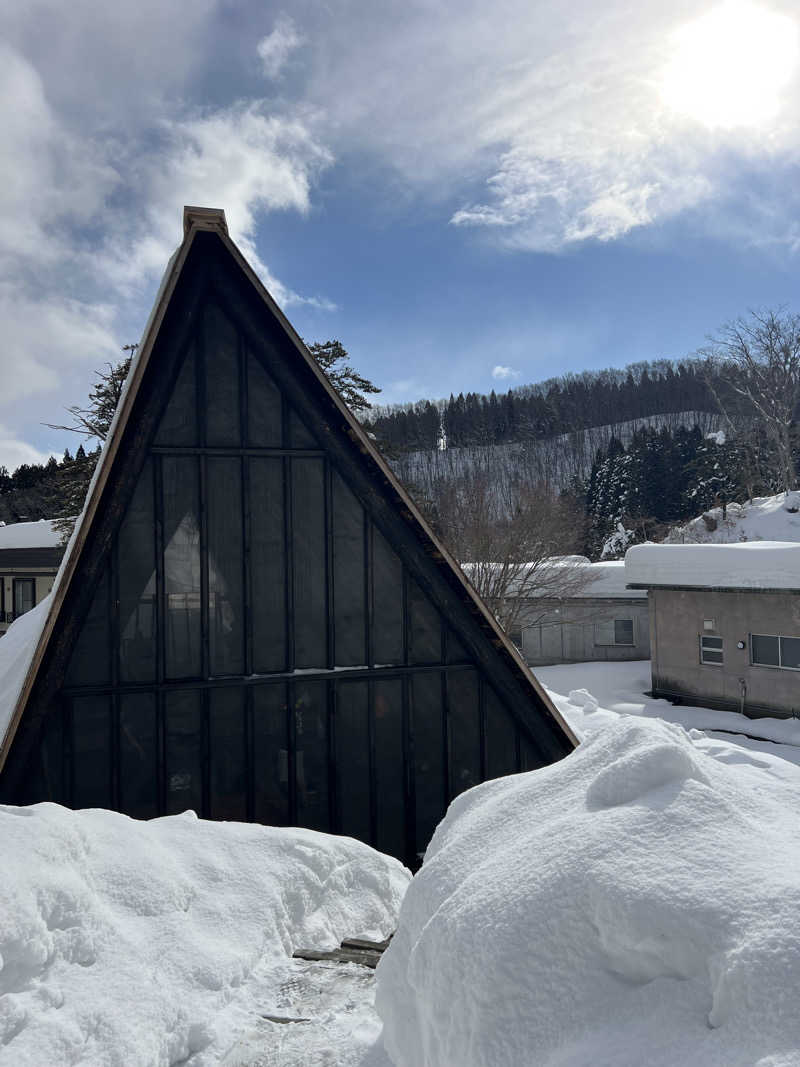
(759, 357)
(513, 544)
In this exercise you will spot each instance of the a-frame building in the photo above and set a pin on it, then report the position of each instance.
(253, 620)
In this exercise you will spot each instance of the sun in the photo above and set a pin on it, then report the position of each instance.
(730, 66)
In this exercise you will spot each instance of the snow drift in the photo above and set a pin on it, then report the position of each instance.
(635, 903)
(142, 943)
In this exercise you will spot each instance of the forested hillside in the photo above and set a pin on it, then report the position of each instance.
(557, 406)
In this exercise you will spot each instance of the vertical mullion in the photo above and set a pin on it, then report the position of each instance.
(289, 557)
(115, 752)
(330, 637)
(373, 784)
(249, 752)
(482, 726)
(205, 654)
(406, 620)
(158, 514)
(161, 754)
(445, 699)
(292, 755)
(331, 704)
(247, 601)
(205, 753)
(67, 731)
(369, 599)
(410, 799)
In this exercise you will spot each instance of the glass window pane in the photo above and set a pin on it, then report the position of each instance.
(90, 660)
(183, 751)
(267, 565)
(223, 420)
(711, 657)
(181, 567)
(299, 434)
(179, 422)
(456, 653)
(501, 737)
(271, 755)
(387, 596)
(311, 755)
(225, 566)
(23, 596)
(764, 650)
(263, 407)
(352, 760)
(623, 631)
(91, 752)
(137, 585)
(308, 541)
(428, 736)
(464, 732)
(712, 642)
(138, 747)
(603, 632)
(390, 785)
(529, 756)
(349, 578)
(228, 799)
(424, 627)
(790, 651)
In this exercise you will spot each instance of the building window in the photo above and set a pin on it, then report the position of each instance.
(710, 649)
(23, 596)
(614, 632)
(767, 651)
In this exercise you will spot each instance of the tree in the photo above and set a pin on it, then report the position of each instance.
(513, 544)
(95, 419)
(351, 386)
(757, 384)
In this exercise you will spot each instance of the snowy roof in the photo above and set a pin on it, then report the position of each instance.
(747, 565)
(41, 534)
(603, 581)
(609, 581)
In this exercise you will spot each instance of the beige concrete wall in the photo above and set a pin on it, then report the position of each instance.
(568, 633)
(676, 624)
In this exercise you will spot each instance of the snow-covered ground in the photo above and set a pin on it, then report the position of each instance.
(593, 696)
(635, 904)
(135, 944)
(765, 518)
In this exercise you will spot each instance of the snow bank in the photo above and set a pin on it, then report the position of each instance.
(41, 534)
(141, 943)
(17, 647)
(747, 565)
(634, 904)
(765, 518)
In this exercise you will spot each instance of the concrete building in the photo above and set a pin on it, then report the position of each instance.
(602, 621)
(724, 623)
(30, 553)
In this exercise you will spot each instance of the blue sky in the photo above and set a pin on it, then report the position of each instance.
(447, 188)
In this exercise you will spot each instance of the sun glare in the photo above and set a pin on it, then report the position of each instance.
(728, 68)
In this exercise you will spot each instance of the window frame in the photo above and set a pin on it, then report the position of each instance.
(772, 666)
(720, 651)
(20, 582)
(612, 624)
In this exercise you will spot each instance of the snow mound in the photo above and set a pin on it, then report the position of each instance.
(633, 904)
(136, 943)
(582, 698)
(765, 518)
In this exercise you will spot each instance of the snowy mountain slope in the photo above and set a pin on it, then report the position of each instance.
(765, 518)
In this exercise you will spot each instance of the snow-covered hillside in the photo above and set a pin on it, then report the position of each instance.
(765, 518)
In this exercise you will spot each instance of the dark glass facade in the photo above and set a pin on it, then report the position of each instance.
(255, 648)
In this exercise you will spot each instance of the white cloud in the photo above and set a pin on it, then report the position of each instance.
(13, 452)
(500, 373)
(274, 49)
